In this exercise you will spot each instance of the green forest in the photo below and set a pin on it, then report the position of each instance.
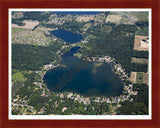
(108, 39)
(139, 105)
(118, 44)
(31, 57)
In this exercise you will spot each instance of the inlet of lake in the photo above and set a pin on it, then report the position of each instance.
(94, 79)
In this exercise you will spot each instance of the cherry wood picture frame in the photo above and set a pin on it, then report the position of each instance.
(4, 62)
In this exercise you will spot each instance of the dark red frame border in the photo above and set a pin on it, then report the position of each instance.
(6, 4)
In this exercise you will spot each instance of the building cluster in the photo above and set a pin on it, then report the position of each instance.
(61, 19)
(17, 15)
(30, 37)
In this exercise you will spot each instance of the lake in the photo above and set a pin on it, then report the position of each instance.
(94, 79)
(67, 35)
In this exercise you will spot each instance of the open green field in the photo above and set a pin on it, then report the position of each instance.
(139, 77)
(18, 76)
(18, 80)
(142, 16)
(139, 60)
(41, 29)
(91, 36)
(124, 20)
(18, 30)
(142, 31)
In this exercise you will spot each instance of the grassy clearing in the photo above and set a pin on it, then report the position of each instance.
(42, 29)
(18, 76)
(146, 78)
(124, 20)
(86, 27)
(133, 76)
(139, 78)
(18, 30)
(91, 36)
(107, 28)
(18, 80)
(139, 60)
(142, 16)
(142, 31)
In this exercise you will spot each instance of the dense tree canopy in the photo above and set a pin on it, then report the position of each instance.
(139, 105)
(30, 57)
(118, 44)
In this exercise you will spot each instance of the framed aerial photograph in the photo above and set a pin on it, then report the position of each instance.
(79, 65)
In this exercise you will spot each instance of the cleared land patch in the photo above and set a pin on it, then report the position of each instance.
(142, 31)
(113, 18)
(141, 43)
(86, 26)
(135, 16)
(139, 60)
(42, 29)
(18, 30)
(18, 80)
(142, 78)
(133, 77)
(28, 24)
(141, 16)
(18, 76)
(26, 36)
(139, 77)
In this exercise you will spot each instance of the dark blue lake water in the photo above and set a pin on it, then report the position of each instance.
(67, 36)
(92, 79)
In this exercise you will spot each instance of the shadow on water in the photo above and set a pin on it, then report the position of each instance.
(93, 80)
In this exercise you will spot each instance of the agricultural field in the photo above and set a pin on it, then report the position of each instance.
(139, 77)
(142, 78)
(133, 77)
(139, 60)
(140, 45)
